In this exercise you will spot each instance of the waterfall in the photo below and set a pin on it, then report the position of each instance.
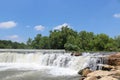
(57, 59)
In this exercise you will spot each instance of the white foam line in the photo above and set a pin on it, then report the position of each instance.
(57, 71)
(62, 71)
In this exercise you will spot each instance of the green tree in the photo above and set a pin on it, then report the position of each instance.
(86, 41)
(58, 38)
(100, 42)
(45, 43)
(36, 42)
(117, 40)
(111, 45)
(29, 43)
(71, 43)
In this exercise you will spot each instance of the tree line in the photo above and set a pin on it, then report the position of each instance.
(67, 39)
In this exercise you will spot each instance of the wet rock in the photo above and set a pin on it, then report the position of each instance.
(108, 67)
(100, 73)
(117, 67)
(108, 78)
(114, 59)
(91, 78)
(84, 72)
(76, 54)
(82, 78)
(104, 75)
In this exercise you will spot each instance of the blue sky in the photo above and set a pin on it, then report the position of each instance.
(21, 19)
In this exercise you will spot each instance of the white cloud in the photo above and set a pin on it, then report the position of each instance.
(116, 15)
(60, 26)
(13, 37)
(7, 25)
(39, 28)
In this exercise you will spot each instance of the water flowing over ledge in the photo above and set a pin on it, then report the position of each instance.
(32, 50)
(54, 59)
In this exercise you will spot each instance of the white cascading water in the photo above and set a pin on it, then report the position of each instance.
(64, 60)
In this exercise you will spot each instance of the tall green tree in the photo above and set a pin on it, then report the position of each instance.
(117, 40)
(71, 43)
(29, 43)
(85, 40)
(111, 45)
(100, 42)
(58, 38)
(45, 43)
(36, 42)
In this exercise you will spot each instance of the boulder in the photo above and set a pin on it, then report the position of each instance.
(99, 73)
(117, 67)
(114, 59)
(84, 72)
(82, 78)
(108, 78)
(76, 54)
(108, 67)
(104, 75)
(91, 78)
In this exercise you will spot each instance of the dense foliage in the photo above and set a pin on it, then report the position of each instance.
(68, 39)
(7, 44)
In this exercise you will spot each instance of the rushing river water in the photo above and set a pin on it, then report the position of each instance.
(44, 65)
(43, 74)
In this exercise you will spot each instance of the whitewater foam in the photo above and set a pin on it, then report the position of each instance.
(55, 63)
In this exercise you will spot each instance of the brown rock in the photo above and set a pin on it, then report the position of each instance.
(82, 78)
(114, 59)
(108, 78)
(101, 73)
(108, 67)
(105, 75)
(76, 54)
(91, 78)
(84, 72)
(117, 67)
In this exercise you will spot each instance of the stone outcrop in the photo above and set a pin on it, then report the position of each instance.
(91, 78)
(103, 75)
(84, 72)
(100, 73)
(76, 54)
(108, 67)
(114, 59)
(110, 71)
(108, 78)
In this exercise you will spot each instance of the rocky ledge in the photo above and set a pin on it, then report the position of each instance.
(110, 71)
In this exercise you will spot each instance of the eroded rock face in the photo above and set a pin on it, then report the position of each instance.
(84, 72)
(100, 73)
(76, 54)
(114, 59)
(108, 78)
(108, 67)
(91, 78)
(103, 75)
(110, 71)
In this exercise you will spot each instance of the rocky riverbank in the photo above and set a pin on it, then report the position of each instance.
(110, 71)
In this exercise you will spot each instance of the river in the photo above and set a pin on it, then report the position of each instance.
(43, 64)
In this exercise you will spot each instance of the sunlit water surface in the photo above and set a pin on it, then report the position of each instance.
(35, 72)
